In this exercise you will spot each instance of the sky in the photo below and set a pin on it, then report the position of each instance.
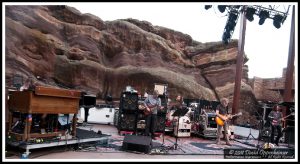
(266, 46)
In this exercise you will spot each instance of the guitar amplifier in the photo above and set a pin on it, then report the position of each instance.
(289, 135)
(127, 122)
(164, 103)
(160, 123)
(128, 102)
(211, 122)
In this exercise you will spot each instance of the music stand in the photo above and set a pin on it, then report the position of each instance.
(179, 113)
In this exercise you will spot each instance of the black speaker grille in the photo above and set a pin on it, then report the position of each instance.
(129, 102)
(211, 122)
(137, 143)
(127, 121)
(160, 123)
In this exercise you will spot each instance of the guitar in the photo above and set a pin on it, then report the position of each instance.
(274, 122)
(220, 121)
(147, 112)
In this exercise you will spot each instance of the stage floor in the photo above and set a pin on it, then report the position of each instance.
(193, 147)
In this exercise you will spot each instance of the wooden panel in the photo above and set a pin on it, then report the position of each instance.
(54, 105)
(48, 101)
(19, 101)
(47, 91)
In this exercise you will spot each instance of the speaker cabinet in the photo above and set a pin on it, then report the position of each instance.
(127, 121)
(87, 101)
(164, 101)
(211, 123)
(160, 123)
(289, 135)
(137, 143)
(129, 102)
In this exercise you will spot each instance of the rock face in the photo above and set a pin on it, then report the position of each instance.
(80, 51)
(271, 89)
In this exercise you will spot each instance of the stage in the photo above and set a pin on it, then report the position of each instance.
(82, 136)
(111, 143)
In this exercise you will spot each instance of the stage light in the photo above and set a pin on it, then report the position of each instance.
(226, 37)
(237, 6)
(231, 23)
(277, 20)
(263, 15)
(233, 16)
(222, 8)
(207, 7)
(249, 13)
(230, 26)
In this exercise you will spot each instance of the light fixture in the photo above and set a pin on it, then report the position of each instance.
(222, 8)
(249, 13)
(226, 37)
(207, 7)
(277, 20)
(233, 16)
(263, 15)
(230, 25)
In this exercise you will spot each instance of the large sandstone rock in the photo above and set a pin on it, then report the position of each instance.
(80, 51)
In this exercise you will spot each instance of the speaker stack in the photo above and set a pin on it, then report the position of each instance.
(161, 114)
(164, 101)
(160, 123)
(129, 102)
(127, 122)
(128, 111)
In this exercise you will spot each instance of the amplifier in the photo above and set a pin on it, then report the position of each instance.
(129, 102)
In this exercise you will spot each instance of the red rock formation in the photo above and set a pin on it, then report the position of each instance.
(80, 51)
(270, 89)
